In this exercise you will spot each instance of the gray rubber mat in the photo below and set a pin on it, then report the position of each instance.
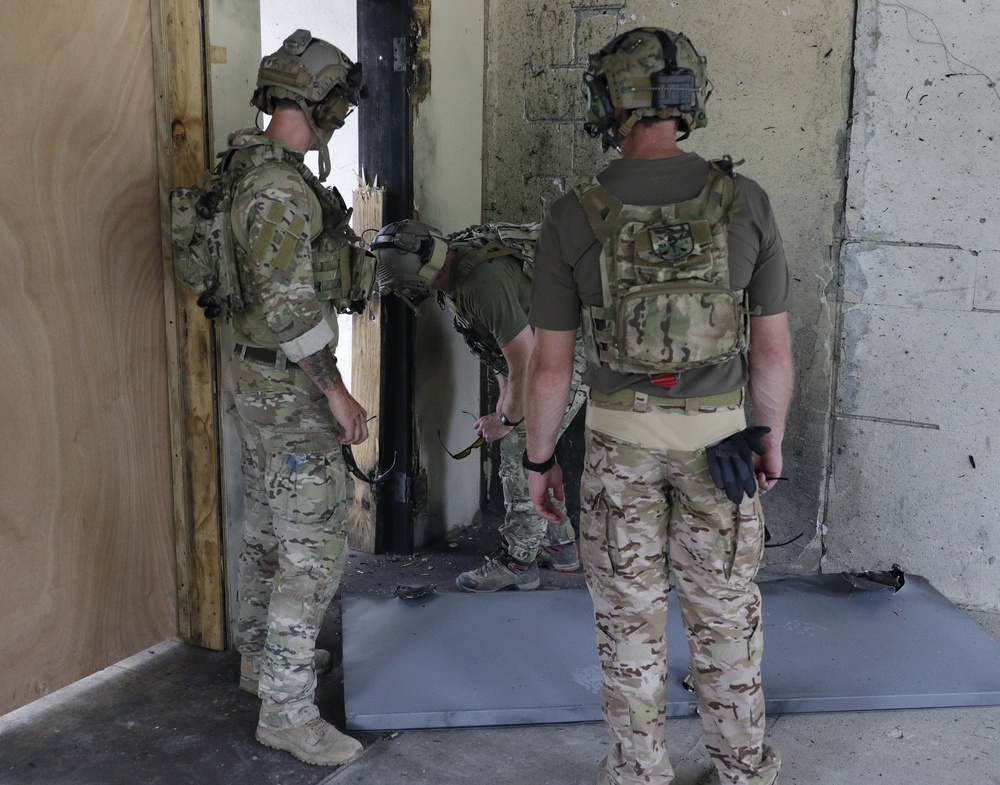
(449, 660)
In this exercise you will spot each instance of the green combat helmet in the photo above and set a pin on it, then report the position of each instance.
(648, 72)
(320, 78)
(410, 254)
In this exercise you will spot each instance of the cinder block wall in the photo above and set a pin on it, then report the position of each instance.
(917, 415)
(782, 76)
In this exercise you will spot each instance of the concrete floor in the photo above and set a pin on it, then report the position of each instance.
(173, 715)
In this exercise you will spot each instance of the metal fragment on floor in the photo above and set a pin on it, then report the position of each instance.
(451, 660)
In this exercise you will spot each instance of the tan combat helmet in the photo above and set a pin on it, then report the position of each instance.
(649, 72)
(319, 78)
(410, 254)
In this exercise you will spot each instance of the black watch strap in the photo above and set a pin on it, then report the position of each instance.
(509, 423)
(541, 468)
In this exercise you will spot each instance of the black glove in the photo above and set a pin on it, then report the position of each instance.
(730, 462)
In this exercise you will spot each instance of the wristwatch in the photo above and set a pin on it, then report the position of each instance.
(542, 467)
(504, 421)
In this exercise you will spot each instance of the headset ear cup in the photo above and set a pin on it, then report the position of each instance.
(602, 110)
(604, 95)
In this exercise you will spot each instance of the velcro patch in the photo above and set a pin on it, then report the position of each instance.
(280, 233)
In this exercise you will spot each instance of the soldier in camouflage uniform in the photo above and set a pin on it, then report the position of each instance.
(486, 286)
(670, 476)
(291, 407)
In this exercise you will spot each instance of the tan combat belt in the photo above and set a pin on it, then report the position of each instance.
(628, 400)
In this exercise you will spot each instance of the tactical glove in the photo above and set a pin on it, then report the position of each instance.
(730, 462)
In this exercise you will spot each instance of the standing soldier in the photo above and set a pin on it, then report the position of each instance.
(293, 247)
(671, 263)
(483, 272)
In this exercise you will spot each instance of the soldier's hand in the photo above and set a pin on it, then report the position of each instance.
(769, 465)
(490, 427)
(731, 462)
(545, 490)
(350, 414)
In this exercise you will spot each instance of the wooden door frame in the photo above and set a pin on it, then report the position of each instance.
(178, 37)
(179, 41)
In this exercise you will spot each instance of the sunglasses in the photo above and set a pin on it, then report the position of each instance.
(372, 478)
(462, 453)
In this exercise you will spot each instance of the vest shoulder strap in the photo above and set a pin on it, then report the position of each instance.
(601, 208)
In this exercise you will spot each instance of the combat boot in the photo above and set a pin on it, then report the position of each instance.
(561, 558)
(316, 742)
(500, 572)
(250, 669)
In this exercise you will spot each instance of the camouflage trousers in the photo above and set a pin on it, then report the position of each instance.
(649, 515)
(523, 530)
(294, 531)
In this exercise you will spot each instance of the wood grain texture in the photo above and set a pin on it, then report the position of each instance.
(87, 571)
(191, 347)
(366, 381)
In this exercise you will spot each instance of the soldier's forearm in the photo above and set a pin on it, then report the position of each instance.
(321, 367)
(771, 373)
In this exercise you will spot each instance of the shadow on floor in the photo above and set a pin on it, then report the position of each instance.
(173, 714)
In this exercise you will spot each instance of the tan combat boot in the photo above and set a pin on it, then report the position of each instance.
(316, 742)
(501, 571)
(563, 557)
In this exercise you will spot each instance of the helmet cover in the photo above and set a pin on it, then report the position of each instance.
(317, 76)
(410, 254)
(649, 72)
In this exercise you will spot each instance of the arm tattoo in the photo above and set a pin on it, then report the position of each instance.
(321, 367)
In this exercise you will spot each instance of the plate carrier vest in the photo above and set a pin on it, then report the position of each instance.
(208, 260)
(667, 305)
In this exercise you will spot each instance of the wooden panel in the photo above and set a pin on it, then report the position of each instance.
(179, 71)
(87, 572)
(366, 380)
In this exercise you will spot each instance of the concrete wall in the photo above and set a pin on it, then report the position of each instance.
(782, 76)
(914, 472)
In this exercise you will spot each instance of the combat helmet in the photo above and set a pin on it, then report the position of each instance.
(650, 72)
(319, 78)
(410, 254)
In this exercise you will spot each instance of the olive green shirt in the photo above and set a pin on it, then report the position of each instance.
(567, 262)
(493, 297)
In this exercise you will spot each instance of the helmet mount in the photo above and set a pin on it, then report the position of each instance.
(650, 73)
(410, 254)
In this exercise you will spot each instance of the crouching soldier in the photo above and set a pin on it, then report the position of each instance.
(483, 274)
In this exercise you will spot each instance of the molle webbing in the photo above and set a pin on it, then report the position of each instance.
(666, 303)
(334, 253)
(603, 210)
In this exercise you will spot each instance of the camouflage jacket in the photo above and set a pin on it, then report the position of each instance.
(285, 251)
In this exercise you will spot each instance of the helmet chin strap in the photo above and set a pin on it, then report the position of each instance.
(323, 136)
(324, 163)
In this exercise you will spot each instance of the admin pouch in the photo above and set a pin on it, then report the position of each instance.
(207, 258)
(667, 306)
(478, 244)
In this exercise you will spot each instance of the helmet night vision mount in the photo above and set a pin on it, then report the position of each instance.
(648, 72)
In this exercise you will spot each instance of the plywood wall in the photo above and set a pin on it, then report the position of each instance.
(87, 570)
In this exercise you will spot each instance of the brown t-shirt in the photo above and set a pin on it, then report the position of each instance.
(567, 262)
